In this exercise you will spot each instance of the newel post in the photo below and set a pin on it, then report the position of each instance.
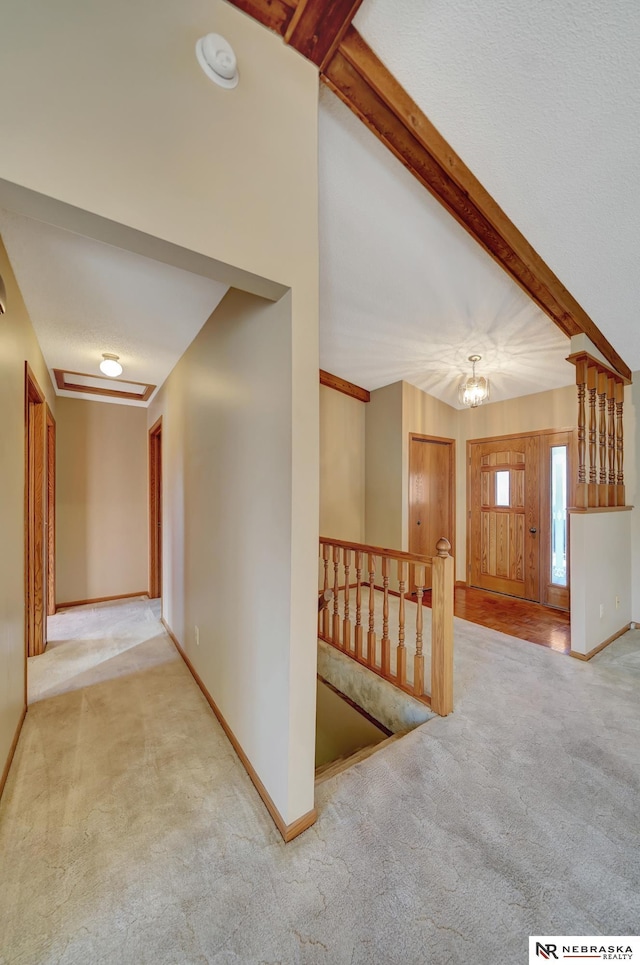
(442, 630)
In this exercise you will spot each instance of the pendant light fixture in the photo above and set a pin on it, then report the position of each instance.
(474, 390)
(110, 365)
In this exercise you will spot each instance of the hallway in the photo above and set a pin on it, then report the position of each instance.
(130, 833)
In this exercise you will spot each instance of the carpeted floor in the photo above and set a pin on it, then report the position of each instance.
(130, 834)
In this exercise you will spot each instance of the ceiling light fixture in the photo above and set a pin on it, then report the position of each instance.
(475, 389)
(110, 365)
(3, 297)
(218, 61)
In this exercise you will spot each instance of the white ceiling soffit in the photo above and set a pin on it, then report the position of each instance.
(542, 101)
(85, 297)
(405, 292)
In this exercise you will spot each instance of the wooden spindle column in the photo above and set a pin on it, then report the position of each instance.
(602, 439)
(592, 378)
(620, 495)
(605, 386)
(335, 630)
(401, 657)
(582, 492)
(325, 611)
(358, 628)
(611, 441)
(385, 658)
(346, 623)
(442, 576)
(418, 660)
(371, 635)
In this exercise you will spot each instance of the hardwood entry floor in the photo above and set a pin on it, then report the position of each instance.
(520, 618)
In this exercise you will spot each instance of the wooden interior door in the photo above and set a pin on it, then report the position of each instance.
(504, 545)
(431, 495)
(155, 510)
(35, 561)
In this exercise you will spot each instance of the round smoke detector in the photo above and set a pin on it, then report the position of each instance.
(217, 59)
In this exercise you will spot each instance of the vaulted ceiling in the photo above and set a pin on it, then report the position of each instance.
(541, 103)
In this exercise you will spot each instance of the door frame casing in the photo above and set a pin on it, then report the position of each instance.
(571, 431)
(155, 510)
(451, 444)
(34, 518)
(51, 510)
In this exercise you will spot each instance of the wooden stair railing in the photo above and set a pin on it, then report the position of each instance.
(339, 596)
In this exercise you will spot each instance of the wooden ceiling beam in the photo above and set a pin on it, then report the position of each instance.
(341, 385)
(359, 78)
(274, 14)
(318, 26)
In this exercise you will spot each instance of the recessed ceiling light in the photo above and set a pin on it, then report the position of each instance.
(110, 365)
(218, 61)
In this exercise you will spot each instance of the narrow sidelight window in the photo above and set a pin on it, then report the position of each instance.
(559, 515)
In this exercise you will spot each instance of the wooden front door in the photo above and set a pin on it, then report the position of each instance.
(504, 548)
(431, 495)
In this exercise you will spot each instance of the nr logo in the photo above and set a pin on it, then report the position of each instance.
(546, 951)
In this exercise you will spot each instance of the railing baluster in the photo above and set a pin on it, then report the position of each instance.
(602, 438)
(592, 375)
(401, 657)
(418, 660)
(582, 493)
(442, 630)
(611, 441)
(385, 658)
(371, 635)
(620, 496)
(325, 611)
(335, 634)
(358, 628)
(346, 623)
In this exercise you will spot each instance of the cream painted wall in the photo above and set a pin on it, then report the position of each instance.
(342, 465)
(102, 546)
(384, 493)
(148, 141)
(227, 450)
(145, 140)
(17, 345)
(600, 572)
(556, 409)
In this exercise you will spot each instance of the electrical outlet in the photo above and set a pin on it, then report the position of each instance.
(601, 610)
(617, 602)
(197, 629)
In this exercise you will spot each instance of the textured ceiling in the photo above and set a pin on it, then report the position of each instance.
(85, 298)
(542, 101)
(405, 292)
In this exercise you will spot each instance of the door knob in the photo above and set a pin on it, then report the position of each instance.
(533, 530)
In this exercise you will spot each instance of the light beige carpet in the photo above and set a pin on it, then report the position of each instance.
(129, 832)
